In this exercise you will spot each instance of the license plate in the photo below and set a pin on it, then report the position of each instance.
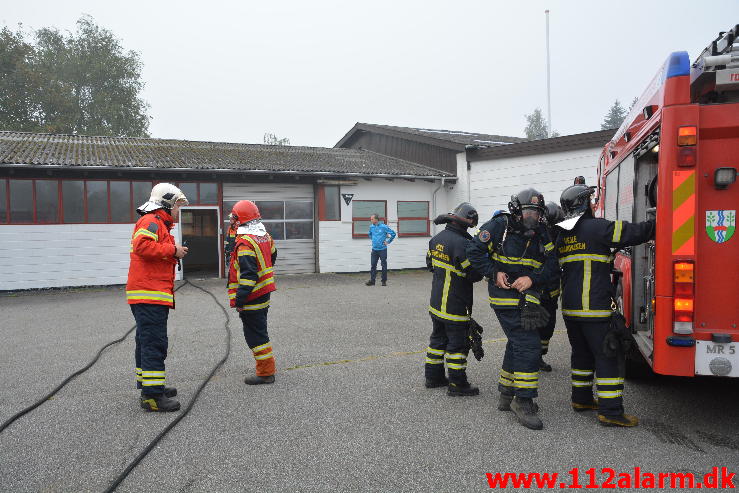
(712, 358)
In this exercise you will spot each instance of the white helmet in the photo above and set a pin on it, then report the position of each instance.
(163, 196)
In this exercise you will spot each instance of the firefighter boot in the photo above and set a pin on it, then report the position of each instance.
(257, 380)
(504, 402)
(159, 403)
(525, 410)
(579, 407)
(168, 391)
(369, 283)
(625, 420)
(462, 389)
(432, 383)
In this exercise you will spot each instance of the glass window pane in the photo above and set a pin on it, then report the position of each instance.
(97, 201)
(21, 201)
(227, 208)
(74, 201)
(120, 201)
(361, 227)
(331, 203)
(611, 204)
(209, 193)
(299, 230)
(271, 209)
(141, 193)
(365, 208)
(413, 209)
(276, 229)
(47, 201)
(3, 201)
(190, 190)
(298, 209)
(412, 226)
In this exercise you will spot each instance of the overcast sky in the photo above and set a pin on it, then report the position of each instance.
(308, 70)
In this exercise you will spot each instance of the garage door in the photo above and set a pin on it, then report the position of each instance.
(287, 212)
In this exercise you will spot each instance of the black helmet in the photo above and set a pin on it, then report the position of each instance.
(554, 213)
(579, 180)
(575, 200)
(465, 214)
(526, 199)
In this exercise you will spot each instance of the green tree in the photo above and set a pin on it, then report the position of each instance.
(536, 126)
(615, 116)
(91, 85)
(19, 84)
(271, 139)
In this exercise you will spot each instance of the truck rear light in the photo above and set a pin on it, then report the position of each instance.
(687, 156)
(687, 136)
(723, 177)
(683, 293)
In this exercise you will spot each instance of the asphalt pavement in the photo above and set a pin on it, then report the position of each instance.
(348, 411)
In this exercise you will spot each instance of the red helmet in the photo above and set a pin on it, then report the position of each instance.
(245, 211)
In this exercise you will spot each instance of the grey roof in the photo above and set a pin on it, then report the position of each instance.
(543, 146)
(20, 148)
(450, 139)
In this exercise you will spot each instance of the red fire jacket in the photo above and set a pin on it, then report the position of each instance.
(250, 273)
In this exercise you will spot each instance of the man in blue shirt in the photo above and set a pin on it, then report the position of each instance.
(381, 236)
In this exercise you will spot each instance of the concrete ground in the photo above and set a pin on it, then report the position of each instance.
(348, 411)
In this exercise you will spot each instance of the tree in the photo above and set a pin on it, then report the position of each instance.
(91, 85)
(271, 139)
(536, 126)
(615, 116)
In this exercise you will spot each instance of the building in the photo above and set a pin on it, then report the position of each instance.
(67, 204)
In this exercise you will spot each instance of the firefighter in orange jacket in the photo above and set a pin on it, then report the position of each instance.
(150, 292)
(250, 282)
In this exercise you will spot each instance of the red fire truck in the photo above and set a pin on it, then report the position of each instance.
(680, 292)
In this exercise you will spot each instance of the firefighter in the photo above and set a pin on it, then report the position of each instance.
(149, 291)
(514, 252)
(550, 300)
(584, 251)
(250, 282)
(228, 244)
(451, 302)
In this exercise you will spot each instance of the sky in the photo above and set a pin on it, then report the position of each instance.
(308, 70)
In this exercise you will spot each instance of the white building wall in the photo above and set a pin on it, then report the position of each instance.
(339, 252)
(494, 181)
(59, 255)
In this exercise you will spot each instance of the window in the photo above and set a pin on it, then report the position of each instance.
(200, 193)
(47, 201)
(287, 220)
(97, 201)
(73, 200)
(329, 203)
(3, 202)
(190, 190)
(413, 218)
(21, 201)
(361, 212)
(120, 201)
(141, 191)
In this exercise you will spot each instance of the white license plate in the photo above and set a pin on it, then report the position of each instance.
(712, 358)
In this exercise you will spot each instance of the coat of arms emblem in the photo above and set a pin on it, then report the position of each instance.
(720, 225)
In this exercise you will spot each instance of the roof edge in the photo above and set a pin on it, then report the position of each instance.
(563, 143)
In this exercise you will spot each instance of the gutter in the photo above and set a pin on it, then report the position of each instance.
(433, 199)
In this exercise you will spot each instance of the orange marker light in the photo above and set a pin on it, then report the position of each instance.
(687, 136)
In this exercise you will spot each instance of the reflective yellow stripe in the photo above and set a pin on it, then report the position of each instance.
(526, 385)
(258, 251)
(146, 232)
(246, 282)
(587, 313)
(609, 381)
(455, 366)
(140, 294)
(549, 247)
(231, 296)
(526, 376)
(465, 263)
(233, 285)
(456, 356)
(516, 261)
(504, 373)
(582, 383)
(152, 383)
(449, 316)
(610, 394)
(264, 283)
(587, 267)
(445, 290)
(581, 257)
(265, 271)
(439, 352)
(249, 253)
(432, 361)
(449, 267)
(554, 293)
(258, 306)
(263, 356)
(504, 301)
(532, 299)
(617, 227)
(585, 373)
(505, 381)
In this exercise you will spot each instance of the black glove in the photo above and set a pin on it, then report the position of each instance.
(533, 315)
(617, 341)
(474, 339)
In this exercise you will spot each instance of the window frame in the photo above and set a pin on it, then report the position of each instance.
(322, 202)
(196, 200)
(355, 219)
(404, 218)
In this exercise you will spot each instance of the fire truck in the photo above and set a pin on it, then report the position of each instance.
(675, 158)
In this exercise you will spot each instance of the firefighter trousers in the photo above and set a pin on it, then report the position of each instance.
(546, 332)
(588, 361)
(448, 341)
(519, 374)
(257, 338)
(151, 346)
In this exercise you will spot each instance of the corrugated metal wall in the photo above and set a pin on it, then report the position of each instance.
(294, 256)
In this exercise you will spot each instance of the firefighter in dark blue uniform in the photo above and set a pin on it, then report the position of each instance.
(516, 255)
(550, 299)
(450, 306)
(584, 251)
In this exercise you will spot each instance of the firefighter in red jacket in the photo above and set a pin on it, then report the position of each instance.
(250, 282)
(150, 292)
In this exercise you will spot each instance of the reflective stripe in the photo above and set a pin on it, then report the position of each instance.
(587, 271)
(449, 316)
(581, 383)
(549, 247)
(146, 232)
(263, 356)
(581, 257)
(265, 271)
(465, 263)
(262, 347)
(554, 292)
(445, 290)
(517, 261)
(245, 282)
(456, 356)
(258, 251)
(617, 227)
(141, 294)
(543, 342)
(585, 373)
(505, 381)
(526, 385)
(255, 307)
(439, 352)
(151, 383)
(264, 283)
(149, 374)
(233, 285)
(587, 313)
(455, 366)
(504, 301)
(609, 381)
(449, 267)
(434, 361)
(249, 253)
(231, 296)
(532, 299)
(504, 373)
(610, 394)
(526, 376)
